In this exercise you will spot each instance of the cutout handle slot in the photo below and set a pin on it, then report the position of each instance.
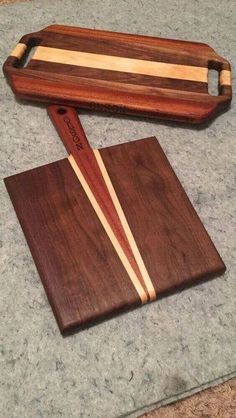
(22, 53)
(219, 78)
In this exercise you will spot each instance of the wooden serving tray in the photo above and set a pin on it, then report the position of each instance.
(80, 264)
(120, 73)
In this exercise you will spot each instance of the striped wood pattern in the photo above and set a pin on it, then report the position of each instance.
(146, 278)
(120, 73)
(121, 64)
(109, 231)
(90, 171)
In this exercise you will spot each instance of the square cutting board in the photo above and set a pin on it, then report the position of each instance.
(84, 278)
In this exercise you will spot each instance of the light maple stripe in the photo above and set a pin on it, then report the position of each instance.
(129, 235)
(139, 288)
(121, 64)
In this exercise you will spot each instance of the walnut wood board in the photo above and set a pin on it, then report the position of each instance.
(84, 279)
(120, 73)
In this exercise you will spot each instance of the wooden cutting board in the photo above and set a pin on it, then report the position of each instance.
(120, 73)
(86, 268)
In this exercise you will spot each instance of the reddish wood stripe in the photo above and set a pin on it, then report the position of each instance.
(146, 278)
(99, 97)
(117, 76)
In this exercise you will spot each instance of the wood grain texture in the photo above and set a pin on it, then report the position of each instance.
(121, 64)
(81, 272)
(133, 245)
(82, 275)
(109, 231)
(120, 73)
(117, 76)
(69, 128)
(175, 246)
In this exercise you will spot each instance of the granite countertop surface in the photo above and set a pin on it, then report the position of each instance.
(159, 352)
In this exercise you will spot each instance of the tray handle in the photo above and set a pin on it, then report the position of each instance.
(20, 53)
(224, 76)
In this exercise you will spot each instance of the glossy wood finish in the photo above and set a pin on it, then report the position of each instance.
(120, 73)
(81, 272)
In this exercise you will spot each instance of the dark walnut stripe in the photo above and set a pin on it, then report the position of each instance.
(179, 45)
(91, 88)
(116, 76)
(124, 49)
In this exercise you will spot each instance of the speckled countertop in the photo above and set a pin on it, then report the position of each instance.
(154, 354)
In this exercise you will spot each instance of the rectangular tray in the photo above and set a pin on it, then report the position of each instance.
(120, 73)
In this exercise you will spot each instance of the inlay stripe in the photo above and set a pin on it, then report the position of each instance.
(108, 62)
(139, 288)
